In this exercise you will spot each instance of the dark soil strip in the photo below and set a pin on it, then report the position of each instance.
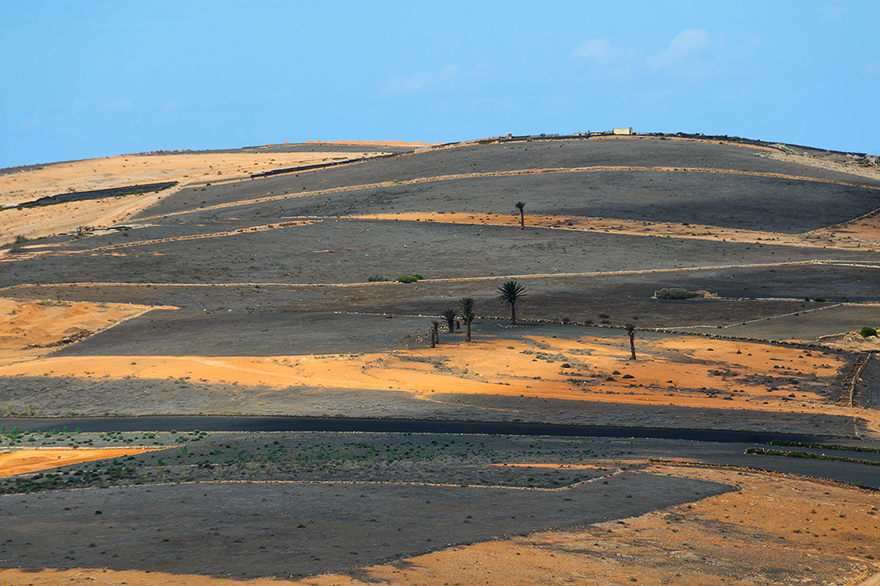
(98, 194)
(319, 166)
(827, 447)
(809, 456)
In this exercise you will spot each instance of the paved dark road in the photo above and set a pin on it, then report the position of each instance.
(719, 447)
(258, 424)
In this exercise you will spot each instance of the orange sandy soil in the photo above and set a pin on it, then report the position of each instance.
(668, 371)
(672, 370)
(23, 461)
(64, 218)
(124, 170)
(41, 323)
(108, 172)
(773, 529)
(863, 233)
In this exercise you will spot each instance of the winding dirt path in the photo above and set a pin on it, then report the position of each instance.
(827, 262)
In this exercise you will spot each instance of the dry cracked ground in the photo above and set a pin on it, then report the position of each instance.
(244, 293)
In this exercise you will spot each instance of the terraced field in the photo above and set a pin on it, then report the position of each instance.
(278, 295)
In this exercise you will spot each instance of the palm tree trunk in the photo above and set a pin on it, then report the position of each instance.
(632, 344)
(467, 337)
(522, 220)
(513, 314)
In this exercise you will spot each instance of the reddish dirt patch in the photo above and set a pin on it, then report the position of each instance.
(24, 461)
(31, 329)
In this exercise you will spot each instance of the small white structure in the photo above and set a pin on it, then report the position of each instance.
(623, 131)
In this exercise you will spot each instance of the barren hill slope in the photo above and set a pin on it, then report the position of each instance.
(294, 263)
(743, 273)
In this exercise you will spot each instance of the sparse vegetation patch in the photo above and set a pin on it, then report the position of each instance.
(675, 293)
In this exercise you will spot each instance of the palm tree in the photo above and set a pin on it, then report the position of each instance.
(466, 306)
(522, 218)
(509, 293)
(631, 330)
(449, 315)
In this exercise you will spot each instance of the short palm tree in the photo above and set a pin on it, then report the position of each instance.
(509, 293)
(631, 330)
(449, 315)
(522, 218)
(466, 306)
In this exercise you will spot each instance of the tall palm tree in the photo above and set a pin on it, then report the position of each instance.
(509, 293)
(522, 218)
(631, 330)
(466, 306)
(449, 315)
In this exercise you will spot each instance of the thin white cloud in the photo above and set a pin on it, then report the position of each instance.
(428, 81)
(420, 82)
(118, 106)
(599, 51)
(606, 58)
(680, 55)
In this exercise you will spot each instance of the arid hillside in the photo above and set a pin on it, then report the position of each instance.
(710, 296)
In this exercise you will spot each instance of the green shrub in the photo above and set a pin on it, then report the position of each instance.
(867, 331)
(409, 278)
(675, 293)
(819, 300)
(376, 279)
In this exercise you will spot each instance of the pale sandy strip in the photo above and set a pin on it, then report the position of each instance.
(828, 262)
(822, 238)
(249, 229)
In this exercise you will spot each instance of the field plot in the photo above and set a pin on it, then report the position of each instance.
(744, 274)
(186, 168)
(412, 508)
(832, 321)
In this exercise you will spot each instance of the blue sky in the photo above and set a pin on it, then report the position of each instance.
(99, 78)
